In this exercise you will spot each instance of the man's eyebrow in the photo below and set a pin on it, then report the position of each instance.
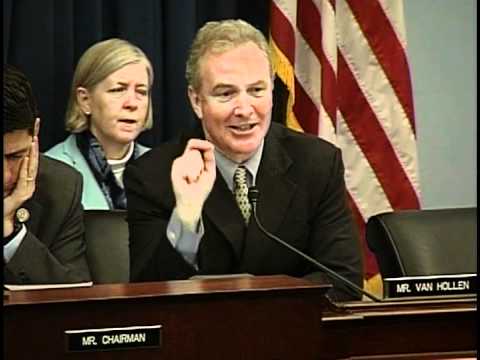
(259, 82)
(222, 86)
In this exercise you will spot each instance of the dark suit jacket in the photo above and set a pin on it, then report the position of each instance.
(53, 251)
(302, 201)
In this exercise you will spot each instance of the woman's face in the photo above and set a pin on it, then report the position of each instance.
(118, 105)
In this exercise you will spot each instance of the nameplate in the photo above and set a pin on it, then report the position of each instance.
(437, 285)
(114, 338)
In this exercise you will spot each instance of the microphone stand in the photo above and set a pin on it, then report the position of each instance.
(253, 195)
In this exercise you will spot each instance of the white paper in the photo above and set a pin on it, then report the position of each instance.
(13, 287)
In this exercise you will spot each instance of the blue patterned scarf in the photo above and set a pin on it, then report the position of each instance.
(93, 152)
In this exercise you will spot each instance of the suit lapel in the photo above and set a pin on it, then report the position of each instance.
(222, 210)
(276, 194)
(276, 190)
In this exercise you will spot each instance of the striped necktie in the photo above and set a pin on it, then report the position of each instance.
(241, 192)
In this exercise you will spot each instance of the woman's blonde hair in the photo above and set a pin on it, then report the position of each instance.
(97, 63)
(218, 37)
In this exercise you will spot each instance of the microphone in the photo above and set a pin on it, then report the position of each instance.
(253, 195)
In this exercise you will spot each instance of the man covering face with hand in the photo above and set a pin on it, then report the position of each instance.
(42, 215)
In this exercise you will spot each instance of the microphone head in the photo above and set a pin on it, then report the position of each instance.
(253, 194)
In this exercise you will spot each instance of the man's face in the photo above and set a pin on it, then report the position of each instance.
(234, 102)
(16, 145)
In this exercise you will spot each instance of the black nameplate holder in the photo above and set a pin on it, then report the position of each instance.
(120, 338)
(430, 286)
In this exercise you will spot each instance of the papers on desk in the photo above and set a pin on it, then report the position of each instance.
(12, 287)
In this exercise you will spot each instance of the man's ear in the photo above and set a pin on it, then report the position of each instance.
(83, 100)
(195, 102)
(36, 127)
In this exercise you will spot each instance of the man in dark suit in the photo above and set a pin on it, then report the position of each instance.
(43, 233)
(187, 213)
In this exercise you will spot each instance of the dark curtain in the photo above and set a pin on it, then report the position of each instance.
(45, 38)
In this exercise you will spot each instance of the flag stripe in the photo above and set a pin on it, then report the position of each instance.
(377, 89)
(394, 11)
(304, 105)
(281, 28)
(387, 48)
(308, 19)
(363, 124)
(360, 178)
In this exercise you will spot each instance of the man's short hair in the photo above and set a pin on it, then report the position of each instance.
(218, 37)
(19, 104)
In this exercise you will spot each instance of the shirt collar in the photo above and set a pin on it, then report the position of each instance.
(227, 167)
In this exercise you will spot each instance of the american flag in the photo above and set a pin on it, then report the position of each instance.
(344, 63)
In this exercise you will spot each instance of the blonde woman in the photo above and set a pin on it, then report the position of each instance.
(109, 106)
